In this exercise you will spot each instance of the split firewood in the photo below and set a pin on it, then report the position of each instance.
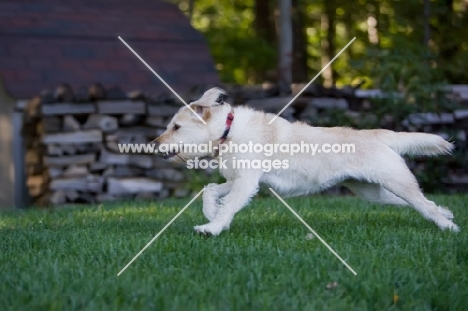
(84, 136)
(77, 183)
(36, 185)
(128, 171)
(121, 107)
(132, 185)
(113, 146)
(32, 156)
(106, 123)
(58, 197)
(69, 149)
(95, 183)
(88, 147)
(34, 169)
(123, 171)
(71, 195)
(129, 138)
(88, 183)
(70, 124)
(98, 166)
(156, 121)
(108, 171)
(51, 124)
(68, 160)
(75, 171)
(32, 111)
(39, 129)
(143, 161)
(54, 150)
(67, 108)
(135, 135)
(114, 158)
(163, 110)
(54, 172)
(130, 119)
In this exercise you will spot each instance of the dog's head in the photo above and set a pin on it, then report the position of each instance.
(187, 128)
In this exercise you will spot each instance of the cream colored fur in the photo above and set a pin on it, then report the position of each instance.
(376, 171)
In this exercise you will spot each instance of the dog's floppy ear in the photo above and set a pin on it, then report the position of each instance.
(211, 98)
(221, 98)
(203, 112)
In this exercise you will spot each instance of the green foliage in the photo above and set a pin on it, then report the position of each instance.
(242, 56)
(68, 259)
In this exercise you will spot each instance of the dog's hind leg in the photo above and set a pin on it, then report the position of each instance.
(375, 193)
(406, 188)
(212, 193)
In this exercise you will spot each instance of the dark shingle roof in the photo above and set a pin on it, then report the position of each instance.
(49, 42)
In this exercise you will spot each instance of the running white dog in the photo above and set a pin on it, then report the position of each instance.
(375, 170)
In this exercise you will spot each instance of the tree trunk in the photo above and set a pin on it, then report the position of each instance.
(348, 23)
(285, 47)
(427, 26)
(191, 4)
(264, 26)
(328, 43)
(446, 45)
(299, 61)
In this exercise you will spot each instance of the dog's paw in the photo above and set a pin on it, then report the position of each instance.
(447, 224)
(454, 228)
(445, 212)
(209, 229)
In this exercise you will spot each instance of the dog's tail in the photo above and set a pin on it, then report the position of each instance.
(415, 144)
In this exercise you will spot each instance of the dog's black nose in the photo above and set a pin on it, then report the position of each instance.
(156, 144)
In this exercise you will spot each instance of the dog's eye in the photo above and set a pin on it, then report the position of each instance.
(176, 127)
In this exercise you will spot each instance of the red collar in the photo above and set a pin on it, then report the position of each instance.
(229, 119)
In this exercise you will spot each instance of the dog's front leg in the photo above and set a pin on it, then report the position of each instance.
(242, 190)
(212, 193)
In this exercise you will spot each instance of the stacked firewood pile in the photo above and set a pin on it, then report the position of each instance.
(72, 138)
(72, 150)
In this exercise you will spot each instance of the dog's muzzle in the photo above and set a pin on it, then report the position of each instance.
(168, 155)
(165, 155)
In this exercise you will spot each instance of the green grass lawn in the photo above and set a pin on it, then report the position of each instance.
(68, 259)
